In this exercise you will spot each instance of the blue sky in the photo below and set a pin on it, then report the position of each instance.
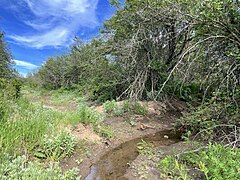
(37, 29)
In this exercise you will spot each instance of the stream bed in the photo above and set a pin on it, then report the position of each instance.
(114, 164)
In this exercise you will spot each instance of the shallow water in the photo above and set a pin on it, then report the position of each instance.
(114, 164)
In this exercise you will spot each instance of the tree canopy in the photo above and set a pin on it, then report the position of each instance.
(6, 70)
(148, 49)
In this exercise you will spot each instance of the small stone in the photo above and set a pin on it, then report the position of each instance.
(165, 136)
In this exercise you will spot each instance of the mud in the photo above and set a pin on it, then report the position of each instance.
(114, 164)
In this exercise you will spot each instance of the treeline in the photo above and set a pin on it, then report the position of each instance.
(86, 68)
(10, 82)
(155, 49)
(149, 49)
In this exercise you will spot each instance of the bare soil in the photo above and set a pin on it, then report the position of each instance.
(127, 128)
(121, 150)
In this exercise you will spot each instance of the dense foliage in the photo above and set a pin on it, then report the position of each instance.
(8, 77)
(153, 48)
(148, 50)
(6, 72)
(85, 68)
(217, 162)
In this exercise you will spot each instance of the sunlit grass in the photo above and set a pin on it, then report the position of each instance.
(24, 124)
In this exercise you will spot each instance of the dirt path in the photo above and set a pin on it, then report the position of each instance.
(127, 128)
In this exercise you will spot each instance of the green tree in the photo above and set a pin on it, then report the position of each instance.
(175, 41)
(6, 71)
(9, 80)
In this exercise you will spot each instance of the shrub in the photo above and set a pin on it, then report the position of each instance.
(134, 107)
(213, 119)
(4, 108)
(113, 108)
(104, 131)
(11, 88)
(19, 168)
(58, 147)
(217, 162)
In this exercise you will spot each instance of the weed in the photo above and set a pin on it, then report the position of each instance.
(104, 131)
(57, 147)
(19, 168)
(145, 148)
(134, 107)
(109, 106)
(139, 109)
(113, 108)
(141, 170)
(83, 114)
(89, 115)
(25, 125)
(217, 162)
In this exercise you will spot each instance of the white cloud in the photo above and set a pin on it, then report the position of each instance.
(25, 65)
(56, 37)
(23, 74)
(55, 22)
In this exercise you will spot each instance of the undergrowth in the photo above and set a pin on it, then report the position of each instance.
(215, 120)
(215, 162)
(23, 125)
(56, 147)
(21, 168)
(118, 109)
(31, 129)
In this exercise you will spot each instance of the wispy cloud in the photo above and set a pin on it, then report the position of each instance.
(55, 38)
(54, 22)
(25, 65)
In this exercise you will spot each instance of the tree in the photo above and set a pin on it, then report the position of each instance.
(161, 42)
(147, 37)
(8, 76)
(6, 71)
(86, 68)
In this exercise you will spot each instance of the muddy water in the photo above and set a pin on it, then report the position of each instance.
(113, 165)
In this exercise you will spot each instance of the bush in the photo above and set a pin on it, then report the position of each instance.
(219, 115)
(113, 108)
(19, 168)
(4, 108)
(11, 88)
(217, 162)
(134, 107)
(57, 147)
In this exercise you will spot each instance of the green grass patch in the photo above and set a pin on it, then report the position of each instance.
(24, 125)
(20, 168)
(215, 162)
(118, 109)
(112, 108)
(57, 147)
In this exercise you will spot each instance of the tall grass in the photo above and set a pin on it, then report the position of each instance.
(23, 125)
(84, 114)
